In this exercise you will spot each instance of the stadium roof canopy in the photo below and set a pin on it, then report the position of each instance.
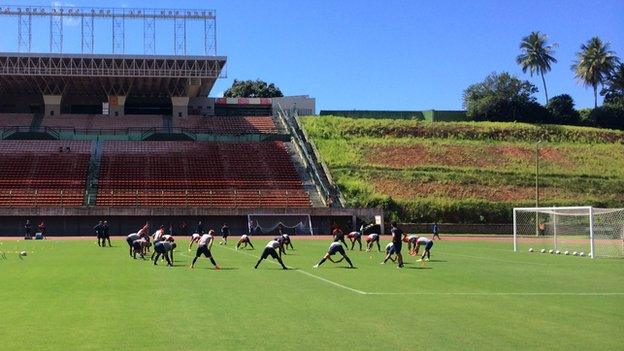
(105, 74)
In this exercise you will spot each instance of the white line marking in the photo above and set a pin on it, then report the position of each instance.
(494, 259)
(309, 275)
(503, 293)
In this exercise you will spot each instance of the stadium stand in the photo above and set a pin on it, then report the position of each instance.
(43, 173)
(103, 122)
(227, 124)
(15, 119)
(203, 174)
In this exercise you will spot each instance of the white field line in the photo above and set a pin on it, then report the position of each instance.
(309, 275)
(443, 293)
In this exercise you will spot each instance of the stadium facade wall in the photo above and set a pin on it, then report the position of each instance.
(427, 115)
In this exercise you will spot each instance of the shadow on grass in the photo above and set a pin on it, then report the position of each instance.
(418, 267)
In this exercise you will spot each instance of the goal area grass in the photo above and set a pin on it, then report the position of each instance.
(473, 294)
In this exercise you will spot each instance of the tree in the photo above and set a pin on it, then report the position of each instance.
(536, 56)
(594, 63)
(252, 89)
(503, 97)
(561, 109)
(614, 87)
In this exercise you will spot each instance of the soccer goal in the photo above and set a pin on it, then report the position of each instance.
(291, 224)
(597, 232)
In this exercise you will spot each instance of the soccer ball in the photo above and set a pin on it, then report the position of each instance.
(575, 253)
(551, 251)
(543, 250)
(582, 254)
(530, 249)
(566, 253)
(23, 253)
(558, 252)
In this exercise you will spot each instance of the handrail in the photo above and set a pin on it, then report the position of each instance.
(318, 159)
(321, 188)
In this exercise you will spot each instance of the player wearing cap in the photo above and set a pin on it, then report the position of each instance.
(334, 248)
(270, 250)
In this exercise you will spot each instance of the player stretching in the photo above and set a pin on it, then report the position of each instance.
(397, 241)
(225, 232)
(370, 240)
(411, 243)
(203, 248)
(389, 253)
(428, 245)
(269, 250)
(353, 237)
(436, 232)
(194, 239)
(158, 237)
(244, 239)
(335, 247)
(130, 239)
(139, 246)
(286, 241)
(164, 248)
(338, 235)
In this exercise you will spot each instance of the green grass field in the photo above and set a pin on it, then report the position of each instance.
(70, 295)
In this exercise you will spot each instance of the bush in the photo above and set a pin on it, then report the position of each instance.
(608, 116)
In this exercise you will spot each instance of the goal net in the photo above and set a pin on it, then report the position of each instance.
(267, 224)
(597, 232)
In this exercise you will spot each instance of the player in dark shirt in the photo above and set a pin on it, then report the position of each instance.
(397, 242)
(106, 234)
(27, 230)
(225, 232)
(335, 248)
(98, 229)
(339, 236)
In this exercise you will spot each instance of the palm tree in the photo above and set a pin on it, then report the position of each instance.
(536, 56)
(594, 63)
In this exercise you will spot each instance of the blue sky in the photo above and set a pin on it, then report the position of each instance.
(387, 54)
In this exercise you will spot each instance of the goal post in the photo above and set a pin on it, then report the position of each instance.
(599, 232)
(291, 224)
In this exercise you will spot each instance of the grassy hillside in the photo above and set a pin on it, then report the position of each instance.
(468, 172)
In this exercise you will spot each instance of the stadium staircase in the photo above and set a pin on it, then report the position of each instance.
(93, 173)
(310, 160)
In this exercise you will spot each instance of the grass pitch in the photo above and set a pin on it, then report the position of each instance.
(70, 295)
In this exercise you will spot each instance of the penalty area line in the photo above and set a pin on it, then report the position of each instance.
(310, 275)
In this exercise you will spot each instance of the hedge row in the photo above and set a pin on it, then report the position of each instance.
(331, 127)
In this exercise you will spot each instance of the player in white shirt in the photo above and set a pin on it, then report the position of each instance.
(270, 250)
(428, 244)
(334, 248)
(411, 243)
(194, 239)
(244, 239)
(203, 248)
(370, 240)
